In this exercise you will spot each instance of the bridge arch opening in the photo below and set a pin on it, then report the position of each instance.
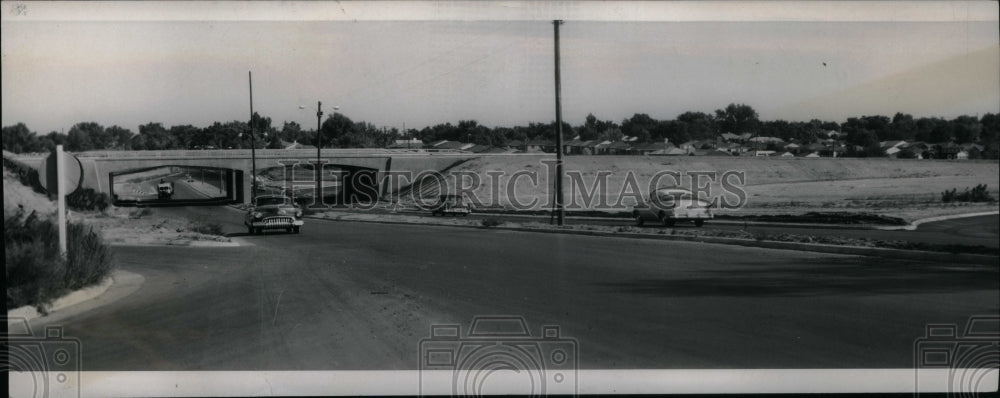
(176, 185)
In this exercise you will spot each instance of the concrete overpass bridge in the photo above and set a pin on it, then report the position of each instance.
(361, 171)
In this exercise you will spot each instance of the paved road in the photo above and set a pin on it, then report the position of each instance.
(975, 231)
(360, 296)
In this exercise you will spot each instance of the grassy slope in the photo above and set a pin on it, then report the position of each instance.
(16, 195)
(907, 188)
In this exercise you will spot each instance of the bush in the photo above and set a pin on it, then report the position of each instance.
(36, 273)
(490, 222)
(207, 228)
(87, 199)
(977, 194)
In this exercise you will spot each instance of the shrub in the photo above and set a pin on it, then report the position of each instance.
(87, 199)
(36, 272)
(207, 228)
(490, 222)
(976, 194)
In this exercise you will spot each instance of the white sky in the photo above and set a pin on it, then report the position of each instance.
(182, 63)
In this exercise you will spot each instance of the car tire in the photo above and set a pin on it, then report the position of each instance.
(699, 223)
(295, 230)
(639, 221)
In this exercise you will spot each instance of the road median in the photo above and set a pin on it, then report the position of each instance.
(952, 254)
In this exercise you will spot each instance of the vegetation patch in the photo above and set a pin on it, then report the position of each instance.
(490, 222)
(976, 194)
(36, 272)
(207, 228)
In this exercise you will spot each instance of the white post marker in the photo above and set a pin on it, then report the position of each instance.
(61, 197)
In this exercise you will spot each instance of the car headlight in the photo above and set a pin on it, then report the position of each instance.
(258, 214)
(298, 213)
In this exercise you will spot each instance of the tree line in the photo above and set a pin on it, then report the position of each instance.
(339, 131)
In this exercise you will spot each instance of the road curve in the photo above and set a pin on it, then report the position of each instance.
(350, 296)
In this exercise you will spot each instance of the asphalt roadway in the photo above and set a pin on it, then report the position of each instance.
(354, 296)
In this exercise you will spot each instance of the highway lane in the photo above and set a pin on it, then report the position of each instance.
(975, 231)
(361, 296)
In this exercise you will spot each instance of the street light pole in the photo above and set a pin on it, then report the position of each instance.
(253, 146)
(319, 144)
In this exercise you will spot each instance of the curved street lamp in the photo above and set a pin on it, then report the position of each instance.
(319, 146)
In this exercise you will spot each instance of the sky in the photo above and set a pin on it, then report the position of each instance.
(494, 63)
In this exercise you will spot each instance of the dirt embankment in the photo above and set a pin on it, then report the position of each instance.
(909, 189)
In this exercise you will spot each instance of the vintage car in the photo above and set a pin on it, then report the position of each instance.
(273, 212)
(670, 205)
(450, 205)
(165, 189)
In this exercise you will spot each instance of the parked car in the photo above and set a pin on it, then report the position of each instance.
(273, 212)
(670, 205)
(451, 205)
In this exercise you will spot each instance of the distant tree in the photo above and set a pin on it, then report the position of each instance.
(589, 131)
(335, 126)
(639, 125)
(698, 125)
(186, 136)
(902, 127)
(942, 132)
(120, 137)
(18, 139)
(879, 125)
(989, 137)
(737, 119)
(155, 137)
(292, 132)
(86, 136)
(966, 129)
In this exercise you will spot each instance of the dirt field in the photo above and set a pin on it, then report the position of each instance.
(910, 189)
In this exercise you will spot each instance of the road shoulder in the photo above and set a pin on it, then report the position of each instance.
(120, 284)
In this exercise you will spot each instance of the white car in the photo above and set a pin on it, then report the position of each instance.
(667, 206)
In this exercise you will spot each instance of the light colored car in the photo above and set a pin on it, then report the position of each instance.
(273, 212)
(451, 205)
(667, 206)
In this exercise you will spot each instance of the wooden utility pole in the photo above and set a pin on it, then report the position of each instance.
(253, 145)
(560, 210)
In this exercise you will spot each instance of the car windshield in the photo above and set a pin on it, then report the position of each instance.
(270, 201)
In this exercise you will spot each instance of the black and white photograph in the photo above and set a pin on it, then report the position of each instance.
(451, 198)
